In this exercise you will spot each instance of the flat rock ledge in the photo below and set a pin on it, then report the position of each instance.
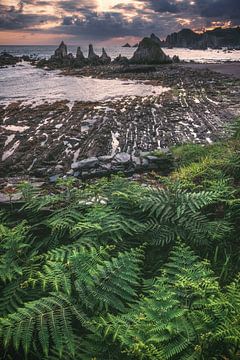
(121, 163)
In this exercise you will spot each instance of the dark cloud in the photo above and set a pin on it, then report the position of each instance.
(223, 9)
(12, 18)
(79, 18)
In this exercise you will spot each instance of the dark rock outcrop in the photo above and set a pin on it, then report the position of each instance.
(104, 58)
(121, 60)
(215, 39)
(8, 59)
(79, 54)
(149, 52)
(91, 54)
(156, 39)
(61, 51)
(127, 45)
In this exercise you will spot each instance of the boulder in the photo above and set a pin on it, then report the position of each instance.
(175, 59)
(79, 54)
(122, 158)
(8, 59)
(86, 163)
(149, 52)
(61, 51)
(127, 45)
(105, 59)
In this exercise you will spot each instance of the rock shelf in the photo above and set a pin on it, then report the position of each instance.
(98, 138)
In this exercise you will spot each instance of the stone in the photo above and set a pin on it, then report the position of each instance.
(149, 53)
(156, 39)
(122, 158)
(91, 55)
(121, 60)
(86, 163)
(79, 54)
(127, 45)
(105, 158)
(175, 59)
(61, 51)
(105, 59)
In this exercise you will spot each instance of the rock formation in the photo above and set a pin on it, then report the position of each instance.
(8, 59)
(121, 60)
(61, 51)
(92, 57)
(156, 39)
(214, 39)
(105, 59)
(149, 52)
(79, 54)
(127, 45)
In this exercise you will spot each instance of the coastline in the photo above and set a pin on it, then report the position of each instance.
(226, 68)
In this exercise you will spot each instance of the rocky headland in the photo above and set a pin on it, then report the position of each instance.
(215, 39)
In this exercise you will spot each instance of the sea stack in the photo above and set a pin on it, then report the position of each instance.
(149, 53)
(127, 45)
(79, 54)
(91, 54)
(61, 51)
(105, 59)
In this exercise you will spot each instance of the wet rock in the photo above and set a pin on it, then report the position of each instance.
(149, 52)
(175, 59)
(86, 163)
(105, 59)
(79, 55)
(127, 45)
(61, 51)
(121, 60)
(122, 158)
(92, 57)
(8, 59)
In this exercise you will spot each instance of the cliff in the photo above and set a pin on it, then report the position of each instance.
(215, 39)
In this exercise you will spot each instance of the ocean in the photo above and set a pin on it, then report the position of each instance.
(210, 56)
(32, 85)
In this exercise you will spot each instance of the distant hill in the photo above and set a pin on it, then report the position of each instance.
(215, 39)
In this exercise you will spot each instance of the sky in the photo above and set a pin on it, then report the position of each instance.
(108, 21)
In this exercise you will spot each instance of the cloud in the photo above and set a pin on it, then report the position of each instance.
(12, 18)
(136, 18)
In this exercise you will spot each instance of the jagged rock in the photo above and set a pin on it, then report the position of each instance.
(127, 45)
(92, 57)
(155, 39)
(86, 163)
(121, 60)
(136, 45)
(149, 52)
(61, 51)
(175, 59)
(105, 59)
(70, 56)
(216, 38)
(79, 54)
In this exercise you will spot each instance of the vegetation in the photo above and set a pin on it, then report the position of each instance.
(117, 270)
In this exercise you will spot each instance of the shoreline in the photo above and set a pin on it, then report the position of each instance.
(225, 68)
(55, 139)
